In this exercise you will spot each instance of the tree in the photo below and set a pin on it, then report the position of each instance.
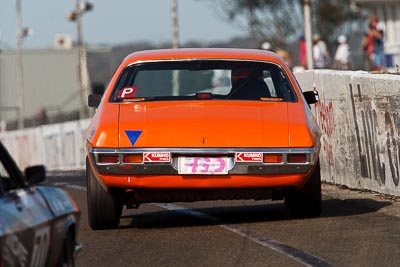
(336, 17)
(280, 22)
(275, 21)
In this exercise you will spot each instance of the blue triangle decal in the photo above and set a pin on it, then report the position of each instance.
(133, 136)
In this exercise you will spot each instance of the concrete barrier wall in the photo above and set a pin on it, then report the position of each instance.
(358, 113)
(58, 146)
(360, 118)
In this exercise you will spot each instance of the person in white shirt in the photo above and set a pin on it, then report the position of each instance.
(320, 53)
(342, 54)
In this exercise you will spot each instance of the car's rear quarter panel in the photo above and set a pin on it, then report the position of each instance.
(303, 129)
(103, 129)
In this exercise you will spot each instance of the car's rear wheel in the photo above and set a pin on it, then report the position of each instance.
(307, 201)
(104, 209)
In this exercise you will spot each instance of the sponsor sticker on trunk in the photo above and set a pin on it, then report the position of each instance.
(157, 157)
(248, 156)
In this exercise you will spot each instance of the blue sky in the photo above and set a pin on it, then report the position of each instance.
(117, 21)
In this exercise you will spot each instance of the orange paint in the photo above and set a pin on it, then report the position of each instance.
(203, 123)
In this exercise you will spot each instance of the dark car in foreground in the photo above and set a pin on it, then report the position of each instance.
(38, 224)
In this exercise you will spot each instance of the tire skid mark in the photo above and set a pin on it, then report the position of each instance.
(300, 256)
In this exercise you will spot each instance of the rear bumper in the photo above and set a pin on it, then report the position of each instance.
(171, 168)
(201, 181)
(166, 175)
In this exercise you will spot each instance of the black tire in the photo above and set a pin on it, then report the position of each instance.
(307, 201)
(104, 211)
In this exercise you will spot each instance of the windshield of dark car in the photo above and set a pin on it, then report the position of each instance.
(206, 79)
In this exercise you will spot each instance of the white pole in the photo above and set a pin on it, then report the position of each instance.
(174, 14)
(19, 69)
(83, 76)
(175, 44)
(307, 31)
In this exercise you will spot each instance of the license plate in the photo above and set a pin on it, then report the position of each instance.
(199, 165)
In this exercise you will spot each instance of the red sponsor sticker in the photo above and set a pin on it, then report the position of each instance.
(248, 156)
(157, 157)
(127, 92)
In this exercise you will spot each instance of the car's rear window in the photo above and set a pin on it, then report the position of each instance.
(205, 79)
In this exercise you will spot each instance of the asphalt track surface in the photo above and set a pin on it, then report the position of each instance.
(355, 229)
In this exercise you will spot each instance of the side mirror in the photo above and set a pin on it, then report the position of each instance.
(35, 174)
(94, 100)
(311, 97)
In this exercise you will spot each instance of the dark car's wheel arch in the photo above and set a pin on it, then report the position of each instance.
(67, 253)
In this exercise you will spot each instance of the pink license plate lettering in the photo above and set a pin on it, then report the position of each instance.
(195, 165)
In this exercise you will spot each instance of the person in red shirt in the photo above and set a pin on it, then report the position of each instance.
(373, 44)
(302, 52)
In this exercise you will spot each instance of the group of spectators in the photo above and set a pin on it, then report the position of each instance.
(321, 56)
(372, 48)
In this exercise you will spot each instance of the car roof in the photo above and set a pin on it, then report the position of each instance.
(203, 53)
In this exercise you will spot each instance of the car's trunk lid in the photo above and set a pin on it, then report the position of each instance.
(205, 123)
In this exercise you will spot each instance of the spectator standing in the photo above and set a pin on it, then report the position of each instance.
(367, 49)
(302, 52)
(266, 46)
(285, 55)
(375, 43)
(320, 53)
(342, 54)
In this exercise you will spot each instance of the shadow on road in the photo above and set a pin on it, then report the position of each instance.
(239, 214)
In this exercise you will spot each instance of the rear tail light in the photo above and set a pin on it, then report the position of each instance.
(273, 158)
(297, 158)
(133, 158)
(108, 158)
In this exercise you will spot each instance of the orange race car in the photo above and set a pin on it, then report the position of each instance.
(201, 124)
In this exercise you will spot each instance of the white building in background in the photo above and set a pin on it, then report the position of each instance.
(50, 82)
(50, 78)
(388, 12)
